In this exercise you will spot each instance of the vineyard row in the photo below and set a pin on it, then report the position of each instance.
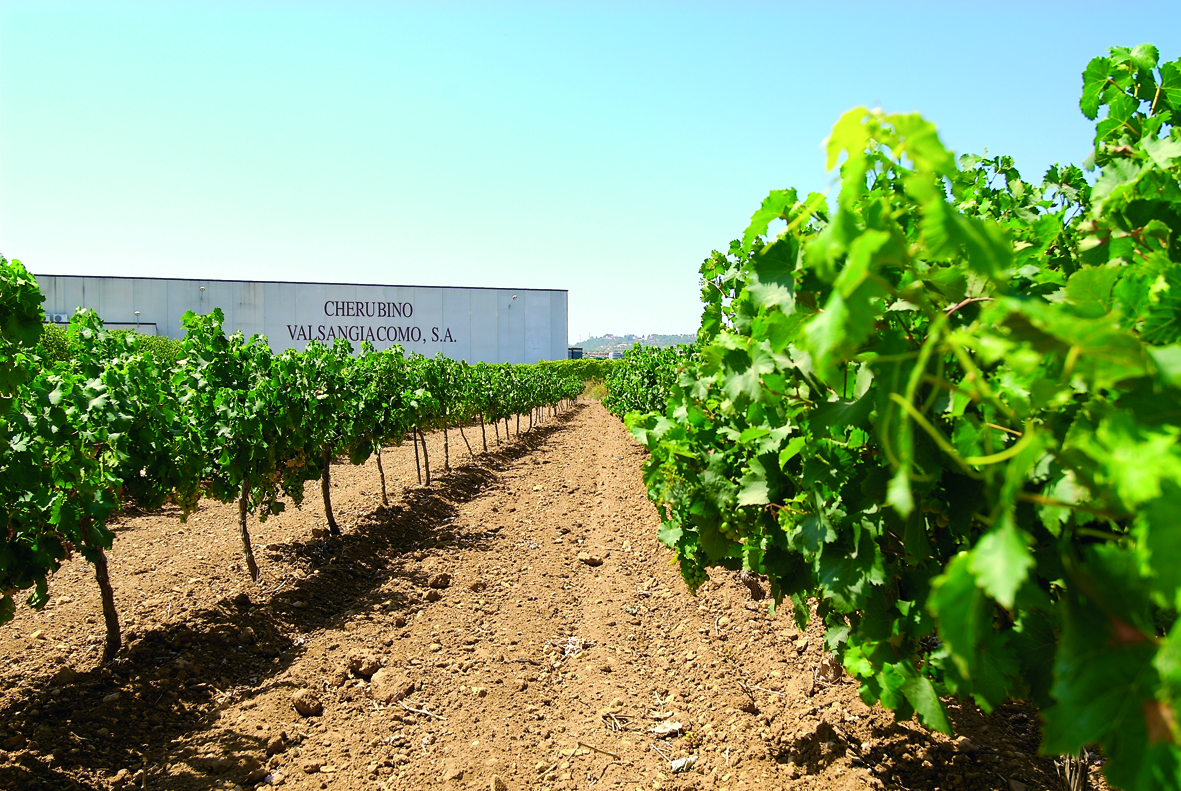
(945, 406)
(96, 421)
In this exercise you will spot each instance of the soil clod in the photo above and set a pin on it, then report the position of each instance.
(307, 704)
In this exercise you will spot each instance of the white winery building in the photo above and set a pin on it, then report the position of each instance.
(473, 324)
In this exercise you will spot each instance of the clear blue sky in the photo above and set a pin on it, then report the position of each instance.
(597, 147)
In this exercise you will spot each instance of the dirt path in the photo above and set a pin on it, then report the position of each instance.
(516, 625)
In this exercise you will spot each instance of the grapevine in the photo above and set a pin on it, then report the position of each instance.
(948, 401)
(644, 380)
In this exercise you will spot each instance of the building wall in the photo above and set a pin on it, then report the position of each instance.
(473, 324)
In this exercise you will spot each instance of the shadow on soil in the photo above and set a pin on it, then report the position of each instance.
(906, 755)
(167, 682)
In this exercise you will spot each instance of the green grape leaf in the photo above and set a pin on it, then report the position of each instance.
(963, 612)
(948, 233)
(1162, 151)
(772, 276)
(1089, 290)
(948, 281)
(1104, 691)
(1167, 360)
(859, 264)
(1001, 561)
(1168, 662)
(921, 694)
(846, 575)
(841, 413)
(921, 144)
(753, 488)
(775, 206)
(1144, 56)
(1162, 324)
(850, 134)
(716, 546)
(1094, 81)
(899, 494)
(1162, 539)
(1036, 642)
(1106, 354)
(812, 533)
(1133, 296)
(794, 446)
(995, 673)
(1170, 85)
(1116, 174)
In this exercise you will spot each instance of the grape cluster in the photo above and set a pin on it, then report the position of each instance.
(739, 525)
(938, 512)
(693, 571)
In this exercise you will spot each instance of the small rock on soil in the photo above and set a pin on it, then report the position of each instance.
(307, 704)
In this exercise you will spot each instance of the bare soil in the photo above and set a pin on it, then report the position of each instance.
(515, 625)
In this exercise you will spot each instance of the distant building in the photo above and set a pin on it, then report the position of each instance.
(473, 324)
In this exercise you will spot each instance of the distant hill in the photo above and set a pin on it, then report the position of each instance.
(620, 343)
